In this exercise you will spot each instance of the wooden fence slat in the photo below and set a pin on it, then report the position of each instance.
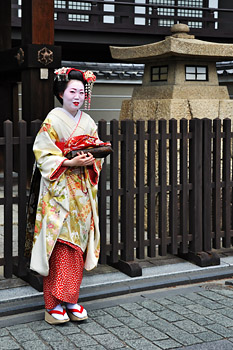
(163, 188)
(102, 206)
(8, 200)
(184, 182)
(140, 202)
(114, 184)
(226, 196)
(22, 184)
(127, 183)
(216, 179)
(173, 198)
(195, 170)
(207, 190)
(151, 186)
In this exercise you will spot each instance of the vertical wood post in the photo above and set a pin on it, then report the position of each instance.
(22, 197)
(114, 200)
(8, 205)
(184, 182)
(163, 188)
(207, 190)
(127, 183)
(226, 196)
(37, 28)
(173, 201)
(5, 24)
(217, 184)
(102, 126)
(6, 102)
(151, 186)
(140, 174)
(195, 165)
(127, 264)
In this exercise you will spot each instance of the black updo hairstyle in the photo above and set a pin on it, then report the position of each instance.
(60, 82)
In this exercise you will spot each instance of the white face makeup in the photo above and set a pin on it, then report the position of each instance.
(73, 96)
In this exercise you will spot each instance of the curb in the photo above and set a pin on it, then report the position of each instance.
(19, 308)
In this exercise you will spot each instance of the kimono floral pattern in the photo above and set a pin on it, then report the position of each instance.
(67, 201)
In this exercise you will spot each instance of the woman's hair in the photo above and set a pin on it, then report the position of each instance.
(60, 84)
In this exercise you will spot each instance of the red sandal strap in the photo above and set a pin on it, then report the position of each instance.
(57, 312)
(76, 310)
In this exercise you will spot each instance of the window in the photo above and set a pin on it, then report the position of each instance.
(84, 6)
(60, 4)
(194, 3)
(159, 73)
(195, 24)
(196, 73)
(78, 18)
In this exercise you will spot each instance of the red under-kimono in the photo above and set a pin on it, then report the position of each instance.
(65, 275)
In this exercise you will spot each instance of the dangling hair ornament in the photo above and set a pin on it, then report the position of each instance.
(90, 78)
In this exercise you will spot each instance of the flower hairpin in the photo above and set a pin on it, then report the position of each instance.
(61, 74)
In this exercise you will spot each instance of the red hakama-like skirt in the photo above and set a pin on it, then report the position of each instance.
(65, 275)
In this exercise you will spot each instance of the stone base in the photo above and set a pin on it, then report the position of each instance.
(176, 108)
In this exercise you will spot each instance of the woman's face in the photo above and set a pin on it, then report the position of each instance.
(73, 96)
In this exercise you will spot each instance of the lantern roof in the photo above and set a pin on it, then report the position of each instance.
(179, 44)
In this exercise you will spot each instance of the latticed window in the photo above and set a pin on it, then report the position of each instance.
(194, 3)
(78, 18)
(59, 4)
(164, 12)
(189, 13)
(196, 73)
(159, 73)
(80, 5)
(194, 24)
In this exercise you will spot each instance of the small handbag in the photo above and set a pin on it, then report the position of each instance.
(97, 152)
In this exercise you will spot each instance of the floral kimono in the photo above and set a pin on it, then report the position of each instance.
(67, 203)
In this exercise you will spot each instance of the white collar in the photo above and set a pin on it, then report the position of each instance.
(75, 118)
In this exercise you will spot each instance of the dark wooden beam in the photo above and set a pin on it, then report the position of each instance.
(6, 102)
(5, 24)
(40, 58)
(30, 56)
(37, 22)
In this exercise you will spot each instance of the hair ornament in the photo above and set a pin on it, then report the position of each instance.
(62, 73)
(90, 78)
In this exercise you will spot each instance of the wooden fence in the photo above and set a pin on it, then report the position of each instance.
(167, 188)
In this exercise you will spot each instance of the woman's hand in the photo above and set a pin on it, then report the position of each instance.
(82, 159)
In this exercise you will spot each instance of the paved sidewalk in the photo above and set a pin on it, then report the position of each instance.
(197, 317)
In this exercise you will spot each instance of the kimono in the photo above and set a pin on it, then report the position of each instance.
(67, 202)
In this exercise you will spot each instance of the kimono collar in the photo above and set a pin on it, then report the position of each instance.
(66, 117)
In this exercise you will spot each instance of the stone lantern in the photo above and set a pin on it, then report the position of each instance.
(180, 78)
